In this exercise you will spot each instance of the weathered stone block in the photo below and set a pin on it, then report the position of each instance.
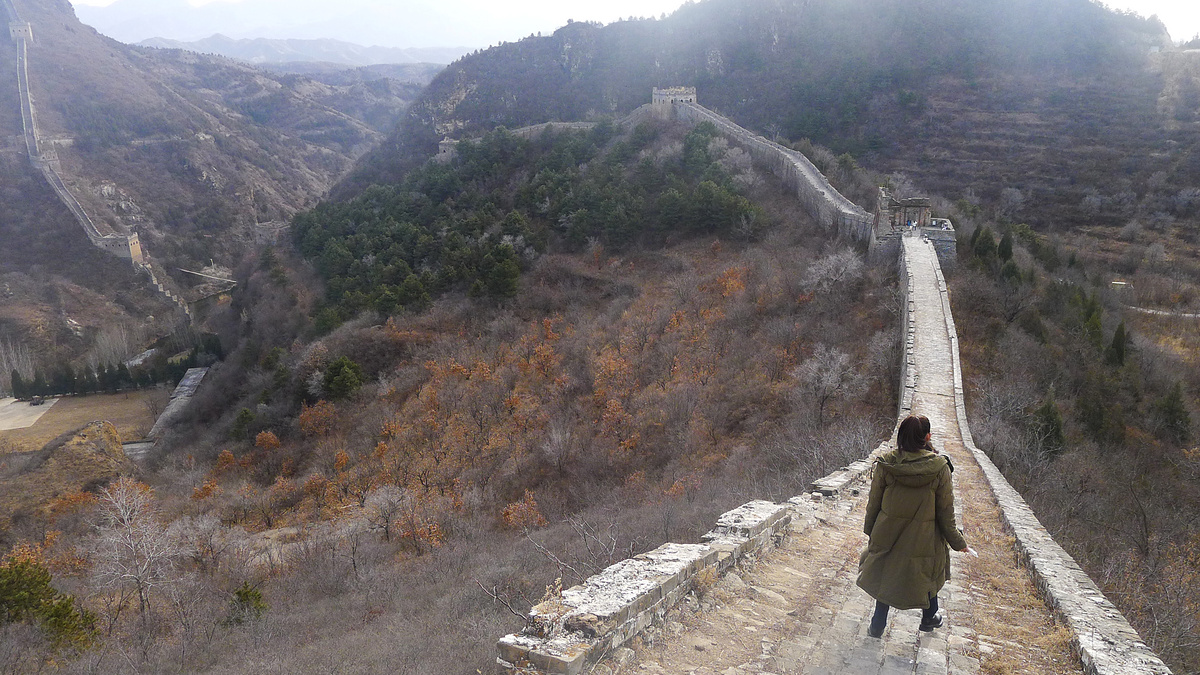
(515, 648)
(561, 656)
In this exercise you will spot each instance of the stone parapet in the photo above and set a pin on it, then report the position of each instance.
(564, 634)
(822, 201)
(1101, 636)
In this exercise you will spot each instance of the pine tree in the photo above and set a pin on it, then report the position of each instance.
(1048, 424)
(1116, 350)
(1171, 415)
(1005, 250)
(18, 385)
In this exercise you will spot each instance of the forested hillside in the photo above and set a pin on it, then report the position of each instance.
(472, 225)
(941, 90)
(340, 498)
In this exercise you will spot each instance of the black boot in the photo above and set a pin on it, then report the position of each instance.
(931, 618)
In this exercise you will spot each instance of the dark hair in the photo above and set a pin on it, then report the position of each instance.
(926, 429)
(911, 435)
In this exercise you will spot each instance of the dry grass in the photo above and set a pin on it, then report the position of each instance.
(1005, 602)
(127, 411)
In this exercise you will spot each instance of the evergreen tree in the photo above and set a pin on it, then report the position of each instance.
(124, 379)
(26, 596)
(241, 423)
(18, 385)
(343, 378)
(985, 245)
(1048, 425)
(502, 273)
(1171, 416)
(38, 388)
(1116, 349)
(412, 294)
(1005, 250)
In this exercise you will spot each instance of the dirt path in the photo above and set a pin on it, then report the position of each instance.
(799, 611)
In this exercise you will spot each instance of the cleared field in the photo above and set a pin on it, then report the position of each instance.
(128, 411)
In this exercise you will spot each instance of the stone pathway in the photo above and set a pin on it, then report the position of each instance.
(799, 611)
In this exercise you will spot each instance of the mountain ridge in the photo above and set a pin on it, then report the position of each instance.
(263, 51)
(869, 77)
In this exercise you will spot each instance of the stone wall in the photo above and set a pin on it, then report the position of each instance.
(908, 334)
(1103, 638)
(536, 130)
(588, 621)
(825, 204)
(945, 244)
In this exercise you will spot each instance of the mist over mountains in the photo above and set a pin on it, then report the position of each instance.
(267, 51)
(413, 23)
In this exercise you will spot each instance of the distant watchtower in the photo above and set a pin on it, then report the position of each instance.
(447, 151)
(18, 30)
(664, 99)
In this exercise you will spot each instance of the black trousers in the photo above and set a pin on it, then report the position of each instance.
(879, 620)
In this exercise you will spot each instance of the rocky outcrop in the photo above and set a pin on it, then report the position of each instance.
(80, 460)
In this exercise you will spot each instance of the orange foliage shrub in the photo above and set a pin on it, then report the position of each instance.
(732, 281)
(317, 419)
(72, 502)
(524, 514)
(208, 489)
(266, 440)
(226, 462)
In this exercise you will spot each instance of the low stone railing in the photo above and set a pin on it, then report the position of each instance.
(596, 617)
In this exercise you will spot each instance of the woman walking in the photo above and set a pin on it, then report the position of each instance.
(910, 522)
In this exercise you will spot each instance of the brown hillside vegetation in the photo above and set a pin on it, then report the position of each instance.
(78, 460)
(617, 401)
(1090, 410)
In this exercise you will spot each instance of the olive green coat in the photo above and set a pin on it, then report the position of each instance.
(910, 520)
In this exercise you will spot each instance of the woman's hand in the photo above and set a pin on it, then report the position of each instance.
(970, 551)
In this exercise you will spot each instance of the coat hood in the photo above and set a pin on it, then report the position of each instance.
(912, 469)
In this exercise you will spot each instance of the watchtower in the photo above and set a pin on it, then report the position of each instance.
(20, 30)
(663, 100)
(899, 213)
(447, 151)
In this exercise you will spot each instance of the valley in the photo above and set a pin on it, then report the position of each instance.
(442, 393)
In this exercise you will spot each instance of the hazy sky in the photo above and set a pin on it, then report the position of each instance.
(478, 23)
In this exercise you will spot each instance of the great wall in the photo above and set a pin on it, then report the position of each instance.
(44, 157)
(792, 605)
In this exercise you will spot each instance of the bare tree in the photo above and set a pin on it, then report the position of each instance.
(134, 551)
(14, 356)
(156, 401)
(115, 344)
(1012, 201)
(833, 271)
(383, 506)
(828, 373)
